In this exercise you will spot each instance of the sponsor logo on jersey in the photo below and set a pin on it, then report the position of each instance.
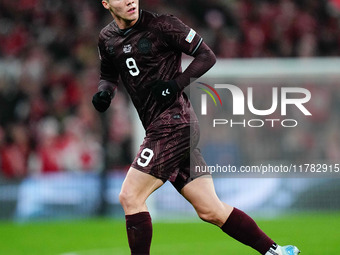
(127, 48)
(110, 50)
(190, 36)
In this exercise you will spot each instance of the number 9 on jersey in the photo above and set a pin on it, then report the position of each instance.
(145, 157)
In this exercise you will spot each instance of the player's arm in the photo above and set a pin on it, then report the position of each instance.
(108, 81)
(204, 59)
(182, 38)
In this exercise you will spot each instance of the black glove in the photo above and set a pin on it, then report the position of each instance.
(164, 91)
(102, 100)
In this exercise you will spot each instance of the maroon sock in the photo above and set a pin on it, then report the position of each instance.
(244, 229)
(139, 232)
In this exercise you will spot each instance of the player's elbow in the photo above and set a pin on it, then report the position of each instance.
(211, 58)
(206, 55)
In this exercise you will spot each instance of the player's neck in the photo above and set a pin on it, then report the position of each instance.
(125, 24)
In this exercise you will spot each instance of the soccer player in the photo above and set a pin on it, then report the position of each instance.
(144, 49)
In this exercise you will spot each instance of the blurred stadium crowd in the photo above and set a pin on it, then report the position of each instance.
(49, 69)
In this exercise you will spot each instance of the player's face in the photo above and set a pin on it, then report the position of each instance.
(125, 12)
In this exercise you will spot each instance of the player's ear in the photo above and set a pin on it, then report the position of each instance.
(106, 5)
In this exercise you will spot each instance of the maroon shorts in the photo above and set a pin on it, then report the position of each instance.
(170, 153)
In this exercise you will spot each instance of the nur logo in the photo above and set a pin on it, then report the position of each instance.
(204, 97)
(243, 101)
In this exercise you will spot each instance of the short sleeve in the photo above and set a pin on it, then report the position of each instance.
(178, 35)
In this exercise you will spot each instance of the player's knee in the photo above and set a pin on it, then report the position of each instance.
(127, 199)
(211, 216)
(208, 216)
(131, 202)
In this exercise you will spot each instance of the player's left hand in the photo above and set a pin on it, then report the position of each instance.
(164, 91)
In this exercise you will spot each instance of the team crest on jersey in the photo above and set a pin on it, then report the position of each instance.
(144, 45)
(190, 36)
(127, 48)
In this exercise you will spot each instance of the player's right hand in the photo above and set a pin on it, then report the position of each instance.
(101, 100)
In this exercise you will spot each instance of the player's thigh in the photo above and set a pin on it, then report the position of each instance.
(201, 194)
(138, 186)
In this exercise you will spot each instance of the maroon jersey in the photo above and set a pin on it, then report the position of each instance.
(150, 50)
